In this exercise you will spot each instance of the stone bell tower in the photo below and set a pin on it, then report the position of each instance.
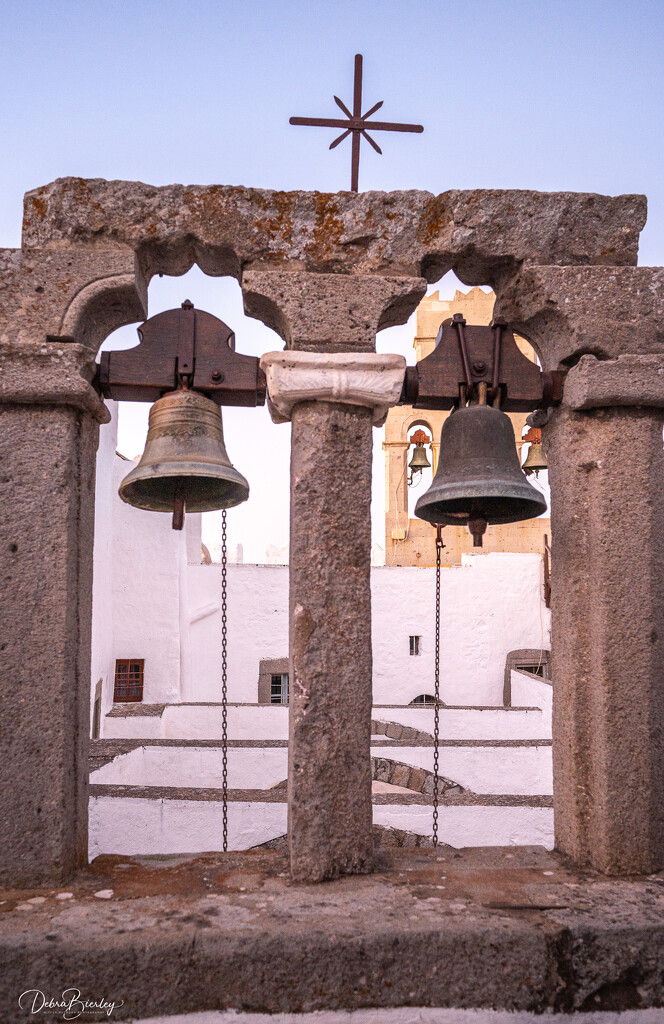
(410, 541)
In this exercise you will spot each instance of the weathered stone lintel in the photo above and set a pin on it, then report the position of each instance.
(627, 380)
(50, 374)
(479, 233)
(370, 380)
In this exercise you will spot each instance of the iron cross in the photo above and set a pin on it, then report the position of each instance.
(356, 125)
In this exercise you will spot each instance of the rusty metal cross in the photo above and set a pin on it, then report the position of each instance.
(356, 125)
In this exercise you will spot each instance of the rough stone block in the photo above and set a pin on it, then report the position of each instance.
(568, 312)
(481, 233)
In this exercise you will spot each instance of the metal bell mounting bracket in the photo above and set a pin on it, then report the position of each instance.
(468, 356)
(182, 346)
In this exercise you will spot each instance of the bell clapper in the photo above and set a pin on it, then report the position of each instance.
(477, 526)
(179, 506)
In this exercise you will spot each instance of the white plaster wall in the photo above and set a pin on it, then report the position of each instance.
(257, 626)
(270, 722)
(133, 826)
(102, 666)
(245, 722)
(147, 557)
(472, 723)
(168, 612)
(489, 606)
(481, 769)
(537, 691)
(522, 771)
(134, 728)
(468, 825)
(197, 767)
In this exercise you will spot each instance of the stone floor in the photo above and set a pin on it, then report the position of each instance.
(503, 928)
(412, 1015)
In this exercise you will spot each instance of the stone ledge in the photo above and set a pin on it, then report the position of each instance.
(408, 1015)
(137, 710)
(277, 795)
(636, 380)
(511, 929)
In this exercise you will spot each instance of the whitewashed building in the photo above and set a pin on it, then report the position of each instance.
(156, 758)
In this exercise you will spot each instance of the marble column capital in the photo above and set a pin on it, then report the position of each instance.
(366, 379)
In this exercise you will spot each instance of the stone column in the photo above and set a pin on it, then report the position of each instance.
(332, 402)
(607, 492)
(333, 386)
(606, 469)
(49, 420)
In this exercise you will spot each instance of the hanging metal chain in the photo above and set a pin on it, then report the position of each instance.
(436, 690)
(224, 679)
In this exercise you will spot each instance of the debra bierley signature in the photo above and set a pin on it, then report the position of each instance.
(71, 1004)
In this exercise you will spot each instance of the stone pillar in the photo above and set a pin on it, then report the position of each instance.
(332, 402)
(606, 469)
(47, 453)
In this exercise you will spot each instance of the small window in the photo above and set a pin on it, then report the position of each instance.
(425, 698)
(128, 679)
(279, 688)
(415, 644)
(536, 669)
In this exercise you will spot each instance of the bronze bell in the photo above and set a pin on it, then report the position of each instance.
(185, 464)
(479, 480)
(535, 459)
(418, 462)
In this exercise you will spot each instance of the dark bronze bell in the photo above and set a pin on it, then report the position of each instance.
(418, 462)
(185, 464)
(479, 480)
(535, 459)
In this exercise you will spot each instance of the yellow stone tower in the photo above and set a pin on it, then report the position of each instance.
(410, 541)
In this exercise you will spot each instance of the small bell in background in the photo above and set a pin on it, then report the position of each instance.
(479, 480)
(185, 464)
(420, 459)
(535, 459)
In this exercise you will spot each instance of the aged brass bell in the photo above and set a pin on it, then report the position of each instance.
(418, 462)
(185, 464)
(479, 480)
(535, 459)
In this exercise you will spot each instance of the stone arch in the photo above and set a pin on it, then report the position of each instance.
(102, 306)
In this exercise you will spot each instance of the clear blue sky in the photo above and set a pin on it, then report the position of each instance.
(542, 94)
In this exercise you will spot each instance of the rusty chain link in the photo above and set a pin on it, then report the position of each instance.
(224, 680)
(436, 691)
